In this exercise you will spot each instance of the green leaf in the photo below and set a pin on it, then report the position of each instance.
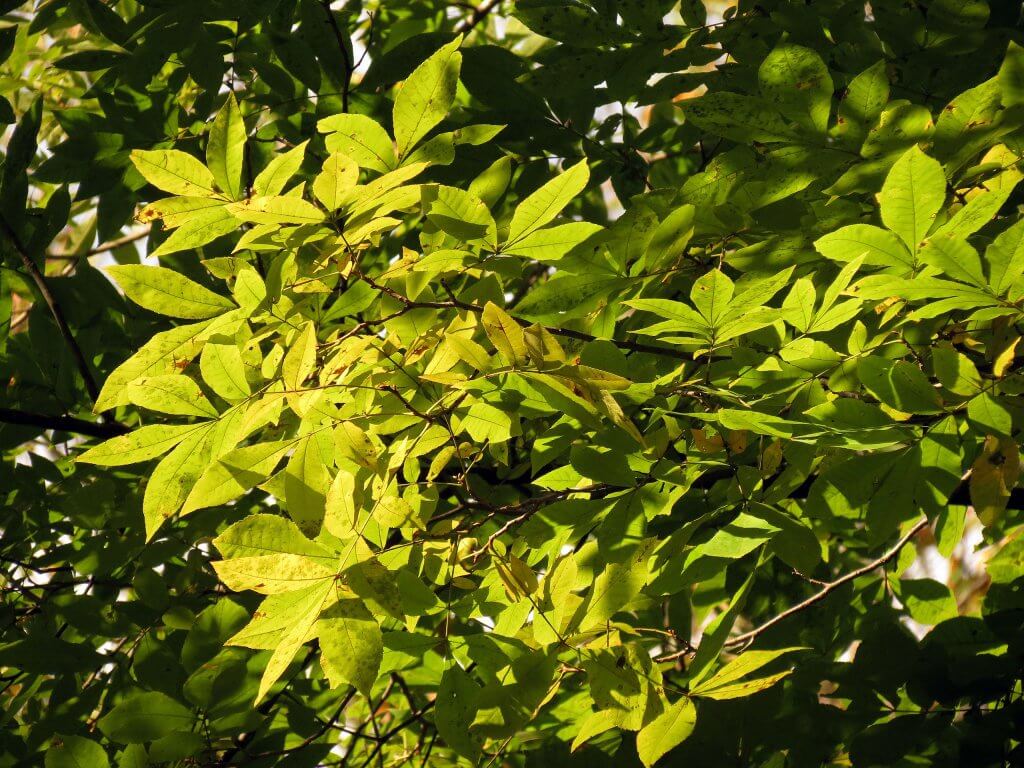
(671, 236)
(75, 752)
(738, 117)
(199, 230)
(224, 371)
(361, 138)
(165, 353)
(928, 602)
(303, 616)
(667, 731)
(1011, 76)
(351, 645)
(339, 175)
(565, 296)
(168, 293)
(276, 210)
(174, 171)
(145, 717)
(235, 473)
(265, 534)
(225, 148)
(879, 247)
(457, 697)
(552, 243)
(955, 371)
(711, 294)
(913, 192)
(272, 180)
(172, 394)
(505, 334)
(899, 384)
(461, 215)
(797, 82)
(547, 202)
(1005, 258)
(426, 96)
(138, 445)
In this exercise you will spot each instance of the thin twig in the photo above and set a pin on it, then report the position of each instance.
(55, 310)
(62, 423)
(818, 596)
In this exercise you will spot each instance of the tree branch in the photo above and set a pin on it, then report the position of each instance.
(102, 247)
(454, 303)
(479, 15)
(818, 596)
(62, 423)
(347, 86)
(55, 310)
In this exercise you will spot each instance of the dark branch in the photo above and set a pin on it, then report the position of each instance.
(62, 423)
(55, 310)
(343, 47)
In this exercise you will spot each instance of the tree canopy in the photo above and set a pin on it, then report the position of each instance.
(523, 383)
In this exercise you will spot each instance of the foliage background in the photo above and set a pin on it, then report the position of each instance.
(800, 287)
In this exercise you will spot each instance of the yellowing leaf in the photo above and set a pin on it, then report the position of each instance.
(339, 175)
(174, 171)
(279, 171)
(351, 645)
(426, 96)
(173, 394)
(276, 210)
(505, 334)
(168, 292)
(993, 475)
(138, 445)
(224, 371)
(360, 138)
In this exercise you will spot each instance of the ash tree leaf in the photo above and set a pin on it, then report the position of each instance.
(276, 210)
(339, 175)
(361, 138)
(174, 171)
(199, 230)
(272, 180)
(927, 601)
(351, 645)
(797, 82)
(172, 394)
(505, 334)
(140, 444)
(994, 473)
(225, 149)
(265, 534)
(303, 615)
(426, 96)
(899, 384)
(667, 731)
(552, 243)
(145, 717)
(878, 246)
(75, 752)
(167, 292)
(546, 203)
(1005, 260)
(457, 702)
(224, 371)
(723, 684)
(913, 192)
(235, 473)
